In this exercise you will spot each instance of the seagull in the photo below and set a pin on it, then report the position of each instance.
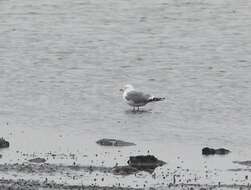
(136, 98)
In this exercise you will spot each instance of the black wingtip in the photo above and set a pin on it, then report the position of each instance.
(156, 99)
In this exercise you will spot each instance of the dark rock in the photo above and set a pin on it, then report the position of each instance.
(4, 143)
(222, 151)
(212, 151)
(208, 151)
(124, 170)
(37, 160)
(113, 142)
(146, 163)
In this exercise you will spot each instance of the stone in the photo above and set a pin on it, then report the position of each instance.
(212, 151)
(145, 162)
(4, 143)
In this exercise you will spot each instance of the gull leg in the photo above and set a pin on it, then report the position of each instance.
(138, 108)
(133, 109)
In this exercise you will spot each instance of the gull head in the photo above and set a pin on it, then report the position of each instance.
(127, 87)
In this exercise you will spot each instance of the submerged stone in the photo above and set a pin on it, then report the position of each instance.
(212, 151)
(246, 163)
(113, 142)
(37, 160)
(4, 143)
(124, 170)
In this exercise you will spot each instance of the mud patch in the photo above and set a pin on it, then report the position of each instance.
(50, 168)
(36, 185)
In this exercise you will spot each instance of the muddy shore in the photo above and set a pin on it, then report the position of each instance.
(43, 171)
(36, 185)
(115, 168)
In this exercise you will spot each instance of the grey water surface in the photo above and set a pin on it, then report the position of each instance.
(62, 64)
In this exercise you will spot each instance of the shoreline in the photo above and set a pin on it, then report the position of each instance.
(76, 162)
(38, 177)
(9, 184)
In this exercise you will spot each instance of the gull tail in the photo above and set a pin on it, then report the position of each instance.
(155, 99)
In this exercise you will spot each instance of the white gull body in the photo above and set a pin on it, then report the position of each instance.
(136, 98)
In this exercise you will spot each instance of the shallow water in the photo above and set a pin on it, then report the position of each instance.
(62, 64)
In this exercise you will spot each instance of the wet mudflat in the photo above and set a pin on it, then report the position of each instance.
(117, 167)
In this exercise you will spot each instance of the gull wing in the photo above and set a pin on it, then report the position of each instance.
(137, 97)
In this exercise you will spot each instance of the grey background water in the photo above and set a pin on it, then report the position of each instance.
(62, 64)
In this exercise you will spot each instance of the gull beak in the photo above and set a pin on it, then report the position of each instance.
(121, 90)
